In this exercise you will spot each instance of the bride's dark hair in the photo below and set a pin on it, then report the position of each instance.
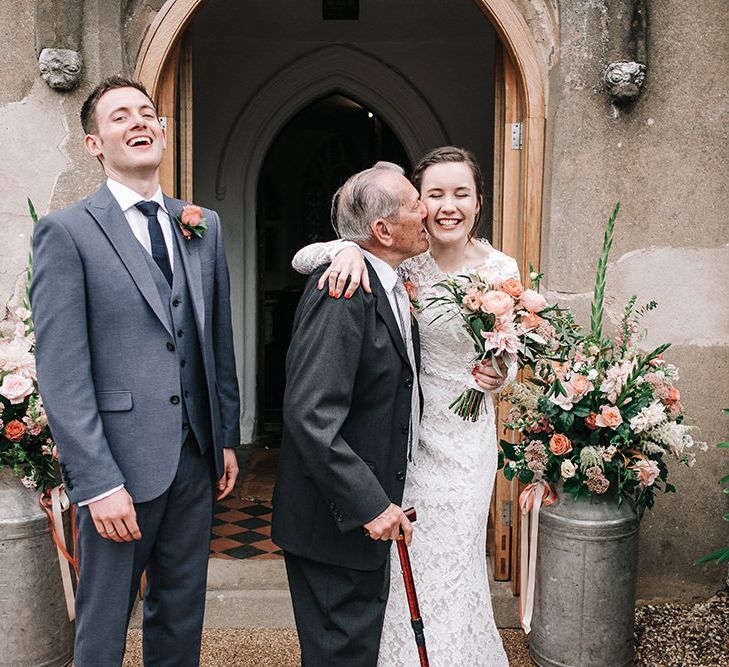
(452, 154)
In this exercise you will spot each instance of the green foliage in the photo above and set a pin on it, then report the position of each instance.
(721, 555)
(599, 295)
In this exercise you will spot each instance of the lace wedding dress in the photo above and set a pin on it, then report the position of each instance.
(449, 483)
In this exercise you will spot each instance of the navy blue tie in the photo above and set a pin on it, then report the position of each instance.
(159, 247)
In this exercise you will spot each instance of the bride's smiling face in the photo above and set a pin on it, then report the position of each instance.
(452, 199)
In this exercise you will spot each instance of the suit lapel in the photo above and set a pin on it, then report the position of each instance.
(105, 210)
(384, 311)
(188, 251)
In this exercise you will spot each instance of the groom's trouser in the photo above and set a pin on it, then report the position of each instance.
(339, 611)
(174, 551)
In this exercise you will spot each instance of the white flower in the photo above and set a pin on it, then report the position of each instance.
(22, 313)
(615, 379)
(15, 357)
(646, 471)
(648, 417)
(28, 483)
(16, 388)
(568, 469)
(592, 374)
(670, 435)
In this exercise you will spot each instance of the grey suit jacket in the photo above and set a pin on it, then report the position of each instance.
(109, 383)
(346, 418)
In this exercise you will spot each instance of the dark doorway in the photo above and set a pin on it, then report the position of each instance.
(311, 157)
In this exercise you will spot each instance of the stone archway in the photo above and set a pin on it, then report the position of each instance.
(331, 69)
(531, 83)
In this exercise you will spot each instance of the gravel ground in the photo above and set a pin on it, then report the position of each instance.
(693, 634)
(683, 634)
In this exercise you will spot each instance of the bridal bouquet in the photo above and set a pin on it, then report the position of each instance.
(506, 322)
(603, 416)
(25, 440)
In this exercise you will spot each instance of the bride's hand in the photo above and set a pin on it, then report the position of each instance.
(348, 263)
(487, 377)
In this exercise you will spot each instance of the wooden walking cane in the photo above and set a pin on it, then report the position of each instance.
(407, 574)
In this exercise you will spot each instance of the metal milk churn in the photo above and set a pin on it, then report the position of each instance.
(35, 631)
(584, 608)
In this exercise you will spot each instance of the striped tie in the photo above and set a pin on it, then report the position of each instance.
(403, 313)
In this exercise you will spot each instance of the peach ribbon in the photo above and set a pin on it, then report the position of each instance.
(531, 500)
(54, 503)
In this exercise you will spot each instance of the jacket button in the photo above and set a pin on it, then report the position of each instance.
(176, 303)
(179, 333)
(182, 363)
(174, 400)
(187, 393)
(171, 347)
(340, 517)
(408, 383)
(185, 426)
(400, 476)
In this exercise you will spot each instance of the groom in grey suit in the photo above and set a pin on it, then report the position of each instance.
(351, 411)
(137, 374)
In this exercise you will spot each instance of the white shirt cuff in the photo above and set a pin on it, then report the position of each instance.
(101, 496)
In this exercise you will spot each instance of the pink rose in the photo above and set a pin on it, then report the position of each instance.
(560, 444)
(191, 215)
(496, 302)
(16, 388)
(647, 471)
(512, 287)
(580, 384)
(533, 301)
(609, 417)
(411, 290)
(472, 299)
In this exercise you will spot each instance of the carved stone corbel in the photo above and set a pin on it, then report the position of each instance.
(58, 33)
(626, 70)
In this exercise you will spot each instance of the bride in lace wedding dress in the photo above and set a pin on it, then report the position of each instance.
(452, 475)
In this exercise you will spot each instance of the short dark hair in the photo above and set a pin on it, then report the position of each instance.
(452, 154)
(88, 121)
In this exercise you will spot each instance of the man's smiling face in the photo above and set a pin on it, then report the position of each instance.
(128, 138)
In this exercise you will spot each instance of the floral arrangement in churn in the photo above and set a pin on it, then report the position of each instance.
(506, 322)
(26, 445)
(602, 414)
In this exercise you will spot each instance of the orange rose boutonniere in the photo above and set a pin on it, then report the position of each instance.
(192, 222)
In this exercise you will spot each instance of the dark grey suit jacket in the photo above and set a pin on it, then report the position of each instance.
(346, 417)
(106, 374)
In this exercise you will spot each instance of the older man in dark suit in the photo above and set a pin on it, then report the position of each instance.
(351, 411)
(136, 370)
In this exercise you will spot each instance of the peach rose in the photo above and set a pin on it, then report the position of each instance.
(673, 395)
(512, 287)
(581, 384)
(14, 430)
(609, 417)
(191, 215)
(411, 290)
(496, 302)
(559, 444)
(590, 421)
(533, 301)
(531, 321)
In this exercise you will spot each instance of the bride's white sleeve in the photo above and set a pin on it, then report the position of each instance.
(316, 254)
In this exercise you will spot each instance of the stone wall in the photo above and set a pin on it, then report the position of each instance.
(666, 160)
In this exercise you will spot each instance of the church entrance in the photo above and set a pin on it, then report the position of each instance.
(267, 108)
(317, 150)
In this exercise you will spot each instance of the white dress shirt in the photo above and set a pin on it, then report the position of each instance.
(127, 199)
(388, 278)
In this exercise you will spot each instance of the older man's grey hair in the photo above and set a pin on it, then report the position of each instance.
(363, 199)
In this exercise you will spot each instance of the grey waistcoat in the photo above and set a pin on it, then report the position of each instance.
(194, 394)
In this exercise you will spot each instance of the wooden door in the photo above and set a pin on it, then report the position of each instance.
(508, 153)
(174, 106)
